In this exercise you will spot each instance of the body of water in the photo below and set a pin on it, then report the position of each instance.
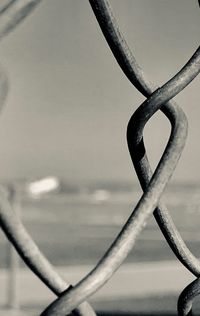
(78, 228)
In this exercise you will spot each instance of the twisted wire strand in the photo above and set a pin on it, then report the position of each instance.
(186, 298)
(10, 16)
(135, 74)
(125, 241)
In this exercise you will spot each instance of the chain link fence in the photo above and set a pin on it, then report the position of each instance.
(72, 299)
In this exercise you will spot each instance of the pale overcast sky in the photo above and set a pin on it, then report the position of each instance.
(69, 102)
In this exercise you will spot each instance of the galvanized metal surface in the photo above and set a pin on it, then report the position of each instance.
(72, 299)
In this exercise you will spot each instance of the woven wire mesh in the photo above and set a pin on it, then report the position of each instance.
(72, 299)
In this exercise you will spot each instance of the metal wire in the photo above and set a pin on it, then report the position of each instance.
(14, 13)
(153, 185)
(5, 6)
(11, 15)
(186, 298)
(32, 256)
(135, 74)
(124, 242)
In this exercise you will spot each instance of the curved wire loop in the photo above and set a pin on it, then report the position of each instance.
(10, 16)
(135, 74)
(124, 242)
(186, 298)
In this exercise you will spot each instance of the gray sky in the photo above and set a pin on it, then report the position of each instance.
(69, 102)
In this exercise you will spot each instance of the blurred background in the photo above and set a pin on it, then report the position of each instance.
(64, 153)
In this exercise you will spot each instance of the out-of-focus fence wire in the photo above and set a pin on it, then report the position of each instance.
(72, 298)
(11, 15)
